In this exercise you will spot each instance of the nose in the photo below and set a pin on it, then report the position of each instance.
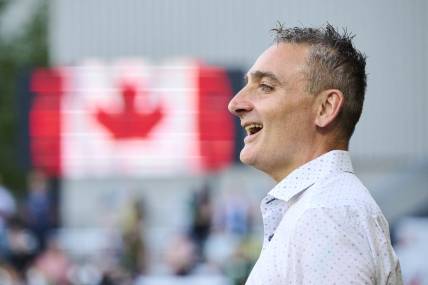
(239, 104)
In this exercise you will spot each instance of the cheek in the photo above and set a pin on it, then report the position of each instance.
(290, 122)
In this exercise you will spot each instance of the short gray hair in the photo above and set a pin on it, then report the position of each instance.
(333, 63)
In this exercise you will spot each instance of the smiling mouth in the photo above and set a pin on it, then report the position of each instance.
(252, 129)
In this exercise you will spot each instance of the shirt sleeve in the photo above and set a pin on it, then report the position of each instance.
(336, 246)
(389, 271)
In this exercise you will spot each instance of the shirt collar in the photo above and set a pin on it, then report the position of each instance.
(308, 174)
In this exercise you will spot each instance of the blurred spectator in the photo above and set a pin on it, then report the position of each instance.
(239, 266)
(38, 206)
(234, 214)
(8, 275)
(22, 245)
(180, 255)
(7, 209)
(134, 251)
(202, 213)
(52, 266)
(233, 255)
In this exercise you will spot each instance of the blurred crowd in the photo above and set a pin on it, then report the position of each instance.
(220, 238)
(27, 247)
(219, 241)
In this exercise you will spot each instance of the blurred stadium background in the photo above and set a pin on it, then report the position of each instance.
(119, 161)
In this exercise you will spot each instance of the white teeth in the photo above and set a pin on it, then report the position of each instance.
(251, 127)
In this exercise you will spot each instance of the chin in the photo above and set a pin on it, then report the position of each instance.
(246, 157)
(250, 158)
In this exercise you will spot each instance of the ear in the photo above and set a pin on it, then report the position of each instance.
(330, 103)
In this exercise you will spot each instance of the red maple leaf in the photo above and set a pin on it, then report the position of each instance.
(129, 123)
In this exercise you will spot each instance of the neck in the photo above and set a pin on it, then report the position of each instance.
(306, 155)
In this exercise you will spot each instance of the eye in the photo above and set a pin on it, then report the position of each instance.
(266, 88)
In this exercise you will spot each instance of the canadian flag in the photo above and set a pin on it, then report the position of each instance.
(131, 118)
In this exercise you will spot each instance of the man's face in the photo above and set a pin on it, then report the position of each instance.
(276, 110)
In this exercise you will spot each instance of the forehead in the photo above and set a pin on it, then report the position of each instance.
(283, 60)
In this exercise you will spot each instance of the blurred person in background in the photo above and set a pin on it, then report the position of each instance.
(52, 266)
(134, 258)
(234, 214)
(232, 246)
(38, 207)
(202, 216)
(180, 255)
(8, 275)
(21, 246)
(7, 209)
(299, 107)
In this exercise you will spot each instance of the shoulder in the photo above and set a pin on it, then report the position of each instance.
(344, 193)
(344, 203)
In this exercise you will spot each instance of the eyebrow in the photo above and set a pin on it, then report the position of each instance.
(258, 75)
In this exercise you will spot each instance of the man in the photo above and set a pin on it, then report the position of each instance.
(299, 107)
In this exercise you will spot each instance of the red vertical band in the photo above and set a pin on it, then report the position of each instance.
(214, 121)
(45, 121)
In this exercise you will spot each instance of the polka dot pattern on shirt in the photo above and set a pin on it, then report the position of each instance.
(321, 226)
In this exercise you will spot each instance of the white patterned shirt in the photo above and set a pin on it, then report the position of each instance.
(322, 226)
